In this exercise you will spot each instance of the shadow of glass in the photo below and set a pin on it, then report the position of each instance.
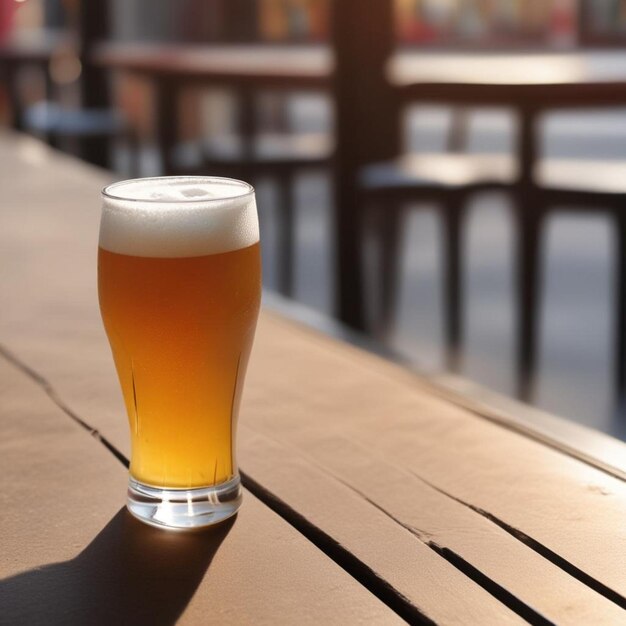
(129, 574)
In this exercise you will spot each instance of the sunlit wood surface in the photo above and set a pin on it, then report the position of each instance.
(372, 494)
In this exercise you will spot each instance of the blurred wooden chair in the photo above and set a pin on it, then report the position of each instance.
(252, 153)
(449, 180)
(598, 185)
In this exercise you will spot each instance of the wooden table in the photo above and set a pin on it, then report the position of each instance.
(244, 68)
(529, 83)
(372, 495)
(262, 65)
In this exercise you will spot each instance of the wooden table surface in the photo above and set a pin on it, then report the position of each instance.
(571, 77)
(495, 67)
(371, 496)
(266, 65)
(543, 80)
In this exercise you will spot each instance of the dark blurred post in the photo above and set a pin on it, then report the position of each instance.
(93, 26)
(54, 14)
(367, 130)
(241, 20)
(583, 20)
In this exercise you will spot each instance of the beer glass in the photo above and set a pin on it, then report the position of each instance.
(179, 282)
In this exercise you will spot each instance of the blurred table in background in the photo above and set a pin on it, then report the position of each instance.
(368, 115)
(527, 83)
(247, 71)
(36, 49)
(266, 66)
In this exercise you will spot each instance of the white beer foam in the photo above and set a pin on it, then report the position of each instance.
(178, 216)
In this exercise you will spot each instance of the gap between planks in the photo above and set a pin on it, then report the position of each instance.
(49, 390)
(604, 601)
(333, 550)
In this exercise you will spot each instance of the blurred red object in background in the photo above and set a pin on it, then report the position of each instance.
(7, 11)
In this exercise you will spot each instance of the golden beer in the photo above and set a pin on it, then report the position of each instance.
(181, 328)
(181, 331)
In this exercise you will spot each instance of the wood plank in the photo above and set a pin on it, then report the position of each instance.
(341, 393)
(589, 445)
(71, 555)
(397, 555)
(443, 594)
(60, 487)
(394, 555)
(592, 446)
(349, 473)
(48, 243)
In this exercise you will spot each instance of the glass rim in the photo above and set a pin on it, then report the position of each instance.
(107, 190)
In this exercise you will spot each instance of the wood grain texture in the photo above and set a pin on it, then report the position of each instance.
(340, 393)
(397, 555)
(72, 555)
(352, 476)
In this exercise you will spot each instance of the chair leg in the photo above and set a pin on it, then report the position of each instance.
(453, 295)
(387, 224)
(528, 295)
(620, 310)
(456, 140)
(51, 137)
(286, 234)
(133, 145)
(166, 116)
(15, 105)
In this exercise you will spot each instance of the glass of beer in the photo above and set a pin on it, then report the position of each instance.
(179, 281)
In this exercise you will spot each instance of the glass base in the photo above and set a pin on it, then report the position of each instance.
(184, 509)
